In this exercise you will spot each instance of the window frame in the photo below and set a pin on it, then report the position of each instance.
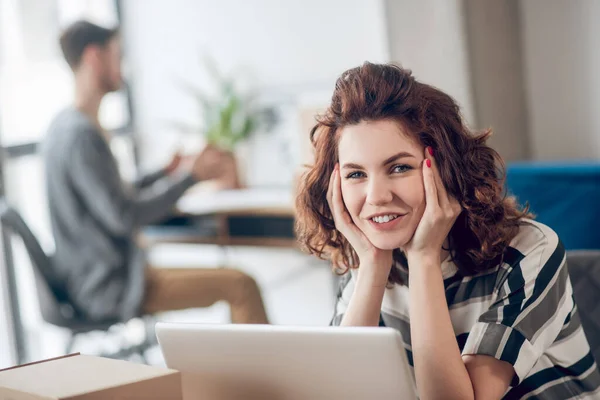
(16, 333)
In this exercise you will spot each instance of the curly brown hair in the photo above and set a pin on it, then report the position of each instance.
(471, 171)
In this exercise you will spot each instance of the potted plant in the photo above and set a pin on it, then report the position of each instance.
(229, 114)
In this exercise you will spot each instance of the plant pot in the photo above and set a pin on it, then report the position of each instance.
(231, 178)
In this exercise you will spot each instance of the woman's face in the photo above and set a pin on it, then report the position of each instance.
(382, 181)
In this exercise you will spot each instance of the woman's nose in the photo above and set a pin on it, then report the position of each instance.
(379, 193)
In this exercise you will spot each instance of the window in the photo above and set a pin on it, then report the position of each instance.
(35, 82)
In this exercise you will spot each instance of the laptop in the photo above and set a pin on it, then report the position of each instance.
(285, 362)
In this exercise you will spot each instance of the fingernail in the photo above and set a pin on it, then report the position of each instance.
(430, 149)
(428, 162)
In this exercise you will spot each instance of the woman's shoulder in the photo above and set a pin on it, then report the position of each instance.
(533, 234)
(535, 242)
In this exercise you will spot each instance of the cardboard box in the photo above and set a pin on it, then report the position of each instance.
(80, 377)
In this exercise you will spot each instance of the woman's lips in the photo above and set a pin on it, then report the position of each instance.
(386, 226)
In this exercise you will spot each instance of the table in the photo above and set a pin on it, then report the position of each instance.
(252, 217)
(265, 201)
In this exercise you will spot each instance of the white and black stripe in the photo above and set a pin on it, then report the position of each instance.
(522, 312)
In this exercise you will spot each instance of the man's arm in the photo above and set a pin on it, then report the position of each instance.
(96, 178)
(146, 180)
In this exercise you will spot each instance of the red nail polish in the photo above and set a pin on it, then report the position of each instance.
(428, 162)
(430, 149)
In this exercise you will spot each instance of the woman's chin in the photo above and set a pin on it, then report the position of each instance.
(387, 243)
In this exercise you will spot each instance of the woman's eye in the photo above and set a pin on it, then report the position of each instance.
(355, 175)
(398, 169)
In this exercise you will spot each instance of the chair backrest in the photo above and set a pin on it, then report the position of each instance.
(54, 304)
(584, 270)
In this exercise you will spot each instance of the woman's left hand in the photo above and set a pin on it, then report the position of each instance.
(441, 211)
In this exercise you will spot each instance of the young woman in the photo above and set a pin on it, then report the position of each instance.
(410, 202)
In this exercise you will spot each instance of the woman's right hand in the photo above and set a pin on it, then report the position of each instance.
(371, 257)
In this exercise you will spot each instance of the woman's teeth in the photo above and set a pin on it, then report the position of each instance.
(384, 218)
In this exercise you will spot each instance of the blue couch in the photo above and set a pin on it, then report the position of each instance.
(562, 195)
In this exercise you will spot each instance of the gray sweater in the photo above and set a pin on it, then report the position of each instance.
(95, 217)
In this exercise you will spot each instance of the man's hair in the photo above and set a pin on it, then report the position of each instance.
(80, 35)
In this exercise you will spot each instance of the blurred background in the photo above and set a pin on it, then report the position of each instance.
(526, 68)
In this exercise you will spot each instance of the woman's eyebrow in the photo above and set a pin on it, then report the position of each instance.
(352, 166)
(402, 154)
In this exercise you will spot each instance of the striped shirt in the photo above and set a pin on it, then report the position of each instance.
(521, 312)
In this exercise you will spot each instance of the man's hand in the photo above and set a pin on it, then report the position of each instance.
(174, 163)
(209, 164)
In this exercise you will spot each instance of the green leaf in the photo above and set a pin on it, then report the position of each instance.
(229, 116)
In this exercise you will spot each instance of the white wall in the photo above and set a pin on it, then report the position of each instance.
(428, 36)
(528, 69)
(562, 60)
(497, 75)
(290, 49)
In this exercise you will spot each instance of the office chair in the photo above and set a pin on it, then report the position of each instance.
(53, 299)
(584, 270)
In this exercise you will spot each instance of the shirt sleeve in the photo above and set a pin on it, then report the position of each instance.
(149, 179)
(534, 299)
(95, 177)
(345, 290)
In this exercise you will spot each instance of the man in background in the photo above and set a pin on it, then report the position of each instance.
(95, 215)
